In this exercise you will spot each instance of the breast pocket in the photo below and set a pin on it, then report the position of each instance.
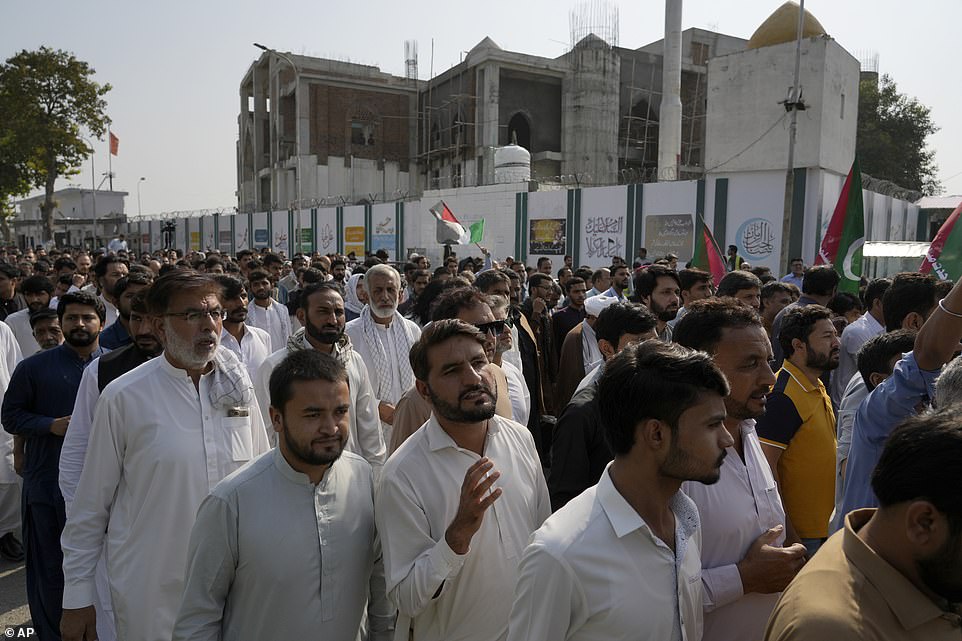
(239, 439)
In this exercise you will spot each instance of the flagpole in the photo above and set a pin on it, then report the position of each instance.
(110, 164)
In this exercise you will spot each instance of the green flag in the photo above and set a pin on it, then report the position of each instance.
(477, 231)
(845, 236)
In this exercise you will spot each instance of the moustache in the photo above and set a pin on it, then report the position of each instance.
(475, 390)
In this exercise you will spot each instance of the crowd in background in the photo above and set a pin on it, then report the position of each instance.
(205, 446)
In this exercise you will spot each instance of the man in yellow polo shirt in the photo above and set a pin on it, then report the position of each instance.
(798, 429)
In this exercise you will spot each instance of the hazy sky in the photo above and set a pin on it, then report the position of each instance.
(175, 66)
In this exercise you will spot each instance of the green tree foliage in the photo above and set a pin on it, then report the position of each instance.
(47, 97)
(892, 129)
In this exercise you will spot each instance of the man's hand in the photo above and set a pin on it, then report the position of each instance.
(59, 426)
(19, 454)
(79, 280)
(767, 569)
(79, 624)
(475, 500)
(386, 412)
(538, 306)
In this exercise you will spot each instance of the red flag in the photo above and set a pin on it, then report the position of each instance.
(707, 255)
(450, 230)
(114, 144)
(845, 236)
(944, 256)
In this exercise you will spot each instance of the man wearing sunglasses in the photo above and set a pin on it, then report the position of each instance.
(163, 436)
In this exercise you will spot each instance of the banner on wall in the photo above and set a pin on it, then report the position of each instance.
(755, 239)
(195, 240)
(241, 233)
(604, 238)
(669, 234)
(385, 235)
(261, 238)
(354, 241)
(223, 240)
(306, 240)
(547, 236)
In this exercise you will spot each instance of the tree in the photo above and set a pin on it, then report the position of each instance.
(47, 97)
(892, 129)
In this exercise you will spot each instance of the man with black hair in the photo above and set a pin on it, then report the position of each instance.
(37, 406)
(567, 318)
(579, 452)
(797, 274)
(894, 572)
(856, 334)
(912, 383)
(658, 288)
(118, 335)
(620, 275)
(36, 291)
(747, 555)
(323, 496)
(107, 271)
(252, 345)
(265, 312)
(694, 285)
(452, 538)
(819, 284)
(321, 312)
(798, 429)
(419, 280)
(775, 297)
(635, 533)
(45, 325)
(10, 300)
(600, 282)
(876, 361)
(544, 266)
(537, 312)
(743, 286)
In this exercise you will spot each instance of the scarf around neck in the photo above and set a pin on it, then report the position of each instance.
(404, 338)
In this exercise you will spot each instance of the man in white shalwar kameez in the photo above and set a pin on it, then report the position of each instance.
(383, 338)
(266, 313)
(321, 312)
(9, 481)
(163, 436)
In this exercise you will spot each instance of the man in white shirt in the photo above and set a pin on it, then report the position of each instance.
(107, 271)
(252, 345)
(37, 291)
(451, 538)
(163, 436)
(383, 338)
(745, 560)
(869, 324)
(266, 313)
(10, 545)
(321, 311)
(246, 579)
(117, 244)
(621, 560)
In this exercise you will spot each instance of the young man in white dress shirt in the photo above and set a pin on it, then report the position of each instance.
(622, 560)
(266, 313)
(252, 345)
(249, 580)
(459, 499)
(746, 560)
(163, 436)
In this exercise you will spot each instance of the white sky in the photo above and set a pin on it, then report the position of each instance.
(175, 66)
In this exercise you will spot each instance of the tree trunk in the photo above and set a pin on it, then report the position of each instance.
(46, 208)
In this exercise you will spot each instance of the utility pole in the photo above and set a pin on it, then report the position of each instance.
(793, 105)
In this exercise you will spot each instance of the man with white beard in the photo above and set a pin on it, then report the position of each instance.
(163, 436)
(383, 338)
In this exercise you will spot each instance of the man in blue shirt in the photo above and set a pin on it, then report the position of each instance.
(37, 406)
(901, 395)
(117, 335)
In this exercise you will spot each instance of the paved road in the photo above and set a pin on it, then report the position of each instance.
(13, 595)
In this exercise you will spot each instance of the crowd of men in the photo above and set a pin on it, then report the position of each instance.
(250, 447)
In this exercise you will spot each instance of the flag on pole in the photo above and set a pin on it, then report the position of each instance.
(944, 256)
(707, 256)
(451, 231)
(845, 237)
(114, 144)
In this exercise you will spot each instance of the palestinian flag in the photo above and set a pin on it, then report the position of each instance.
(707, 255)
(451, 231)
(944, 256)
(845, 236)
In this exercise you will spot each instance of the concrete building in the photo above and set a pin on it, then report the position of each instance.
(356, 134)
(80, 215)
(347, 129)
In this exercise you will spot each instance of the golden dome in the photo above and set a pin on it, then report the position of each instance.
(782, 26)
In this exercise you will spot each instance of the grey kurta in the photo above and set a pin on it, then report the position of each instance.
(274, 557)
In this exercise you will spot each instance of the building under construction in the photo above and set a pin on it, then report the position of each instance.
(321, 132)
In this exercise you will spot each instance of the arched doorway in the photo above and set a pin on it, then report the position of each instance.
(520, 127)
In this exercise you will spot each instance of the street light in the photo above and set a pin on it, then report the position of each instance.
(297, 133)
(142, 179)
